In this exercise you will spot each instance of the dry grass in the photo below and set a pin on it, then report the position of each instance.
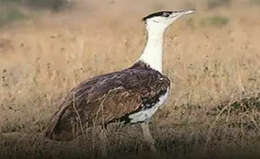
(214, 107)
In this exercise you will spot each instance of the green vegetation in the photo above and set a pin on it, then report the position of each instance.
(9, 1)
(48, 4)
(254, 2)
(44, 4)
(217, 21)
(10, 15)
(10, 10)
(218, 3)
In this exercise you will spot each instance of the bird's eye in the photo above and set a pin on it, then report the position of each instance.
(165, 14)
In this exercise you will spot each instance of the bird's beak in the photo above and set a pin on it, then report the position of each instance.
(185, 12)
(181, 13)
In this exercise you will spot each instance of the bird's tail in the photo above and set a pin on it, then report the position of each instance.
(50, 131)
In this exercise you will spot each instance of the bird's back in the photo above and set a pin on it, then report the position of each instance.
(107, 98)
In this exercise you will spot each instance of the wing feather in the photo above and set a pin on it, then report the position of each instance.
(105, 98)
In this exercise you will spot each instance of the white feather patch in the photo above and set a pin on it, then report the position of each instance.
(148, 113)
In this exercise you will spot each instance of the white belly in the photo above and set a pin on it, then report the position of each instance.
(146, 114)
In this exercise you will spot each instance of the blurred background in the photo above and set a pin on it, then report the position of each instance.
(61, 42)
(212, 57)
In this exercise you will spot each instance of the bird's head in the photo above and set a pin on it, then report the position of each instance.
(161, 20)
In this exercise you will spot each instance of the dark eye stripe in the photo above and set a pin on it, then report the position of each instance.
(161, 13)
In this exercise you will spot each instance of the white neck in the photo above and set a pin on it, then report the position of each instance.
(153, 51)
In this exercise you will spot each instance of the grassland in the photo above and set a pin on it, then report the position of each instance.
(211, 57)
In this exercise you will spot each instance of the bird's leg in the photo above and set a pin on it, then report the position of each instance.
(147, 136)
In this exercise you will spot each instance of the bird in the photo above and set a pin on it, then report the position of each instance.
(129, 96)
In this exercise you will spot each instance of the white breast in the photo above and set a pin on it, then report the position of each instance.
(146, 114)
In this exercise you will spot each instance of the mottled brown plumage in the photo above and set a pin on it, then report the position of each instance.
(107, 98)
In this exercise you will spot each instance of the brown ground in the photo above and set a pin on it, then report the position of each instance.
(212, 58)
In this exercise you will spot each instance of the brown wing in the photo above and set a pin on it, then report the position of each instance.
(105, 98)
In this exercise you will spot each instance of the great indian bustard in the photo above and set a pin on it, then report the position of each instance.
(129, 96)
